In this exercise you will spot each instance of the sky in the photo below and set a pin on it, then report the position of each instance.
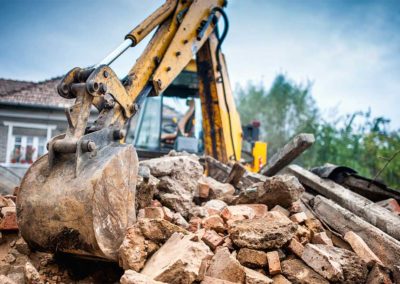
(348, 49)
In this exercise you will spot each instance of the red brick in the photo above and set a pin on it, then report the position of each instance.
(9, 221)
(274, 264)
(260, 210)
(194, 224)
(212, 239)
(214, 222)
(361, 248)
(296, 247)
(203, 189)
(237, 212)
(390, 204)
(154, 212)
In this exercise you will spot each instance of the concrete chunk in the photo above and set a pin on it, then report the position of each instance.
(269, 232)
(158, 230)
(132, 253)
(322, 239)
(180, 260)
(224, 266)
(133, 277)
(254, 277)
(378, 276)
(297, 271)
(335, 264)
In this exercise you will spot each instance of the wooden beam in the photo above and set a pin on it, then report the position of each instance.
(342, 221)
(359, 205)
(220, 172)
(288, 153)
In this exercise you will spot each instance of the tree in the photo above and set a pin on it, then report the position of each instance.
(355, 140)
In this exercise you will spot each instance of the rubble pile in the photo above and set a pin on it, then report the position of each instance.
(193, 228)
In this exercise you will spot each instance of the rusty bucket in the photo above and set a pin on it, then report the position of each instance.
(85, 213)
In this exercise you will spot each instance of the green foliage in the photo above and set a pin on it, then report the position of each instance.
(356, 140)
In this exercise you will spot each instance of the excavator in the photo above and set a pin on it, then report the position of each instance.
(79, 198)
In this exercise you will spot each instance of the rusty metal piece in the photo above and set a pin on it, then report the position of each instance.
(85, 215)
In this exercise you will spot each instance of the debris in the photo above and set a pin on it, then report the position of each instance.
(154, 212)
(280, 279)
(133, 277)
(212, 239)
(299, 217)
(215, 206)
(6, 280)
(254, 277)
(361, 249)
(226, 267)
(132, 253)
(280, 190)
(322, 239)
(391, 204)
(297, 271)
(218, 190)
(22, 247)
(237, 212)
(335, 264)
(252, 258)
(212, 280)
(179, 260)
(288, 153)
(378, 276)
(274, 264)
(158, 230)
(296, 247)
(269, 232)
(235, 174)
(359, 205)
(32, 276)
(280, 209)
(214, 222)
(341, 220)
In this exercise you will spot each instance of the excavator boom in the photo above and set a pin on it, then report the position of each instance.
(80, 197)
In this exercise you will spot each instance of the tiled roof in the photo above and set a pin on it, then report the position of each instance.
(29, 93)
(8, 86)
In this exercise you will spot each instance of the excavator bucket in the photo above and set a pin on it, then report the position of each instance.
(85, 213)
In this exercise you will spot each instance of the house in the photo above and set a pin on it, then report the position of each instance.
(30, 114)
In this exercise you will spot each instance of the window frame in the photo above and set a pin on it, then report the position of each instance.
(10, 139)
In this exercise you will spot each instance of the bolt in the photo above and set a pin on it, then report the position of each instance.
(168, 68)
(105, 74)
(92, 86)
(103, 88)
(178, 53)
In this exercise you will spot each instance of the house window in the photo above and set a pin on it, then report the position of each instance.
(26, 142)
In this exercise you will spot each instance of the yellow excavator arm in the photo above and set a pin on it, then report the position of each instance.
(88, 167)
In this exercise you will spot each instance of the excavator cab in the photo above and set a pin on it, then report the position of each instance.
(170, 121)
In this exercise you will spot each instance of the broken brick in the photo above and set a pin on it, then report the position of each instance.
(9, 221)
(322, 239)
(212, 239)
(297, 271)
(335, 264)
(361, 248)
(296, 247)
(226, 267)
(237, 212)
(214, 222)
(274, 264)
(252, 258)
(254, 277)
(378, 275)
